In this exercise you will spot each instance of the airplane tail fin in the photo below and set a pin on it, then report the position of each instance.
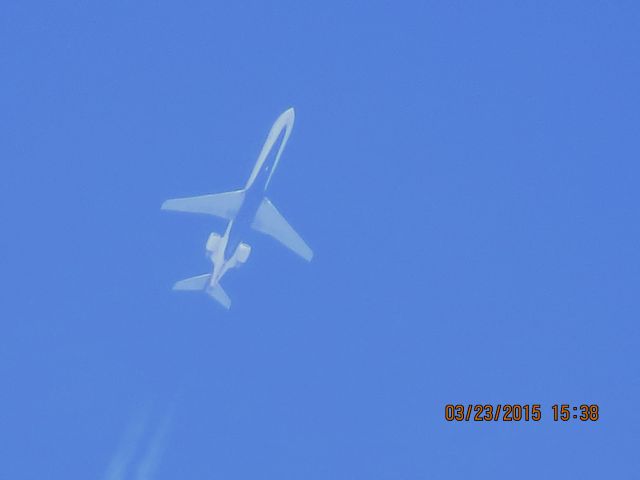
(219, 295)
(193, 283)
(201, 283)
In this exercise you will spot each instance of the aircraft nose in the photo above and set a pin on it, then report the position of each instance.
(291, 113)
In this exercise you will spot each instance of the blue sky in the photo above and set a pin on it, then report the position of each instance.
(466, 173)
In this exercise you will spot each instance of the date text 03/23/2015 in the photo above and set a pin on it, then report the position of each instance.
(514, 412)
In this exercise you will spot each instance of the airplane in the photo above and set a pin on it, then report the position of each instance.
(245, 209)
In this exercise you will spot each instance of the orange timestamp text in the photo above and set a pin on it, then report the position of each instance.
(515, 412)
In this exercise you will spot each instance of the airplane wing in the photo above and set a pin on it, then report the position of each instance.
(270, 222)
(223, 205)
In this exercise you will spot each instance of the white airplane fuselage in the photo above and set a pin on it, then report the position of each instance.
(228, 250)
(245, 209)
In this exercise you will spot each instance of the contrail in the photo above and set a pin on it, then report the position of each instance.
(127, 449)
(125, 463)
(149, 463)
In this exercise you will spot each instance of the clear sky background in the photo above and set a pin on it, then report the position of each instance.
(466, 173)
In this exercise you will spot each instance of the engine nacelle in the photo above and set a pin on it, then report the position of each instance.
(242, 252)
(213, 242)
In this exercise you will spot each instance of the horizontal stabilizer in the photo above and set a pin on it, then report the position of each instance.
(201, 283)
(270, 222)
(193, 283)
(218, 294)
(223, 205)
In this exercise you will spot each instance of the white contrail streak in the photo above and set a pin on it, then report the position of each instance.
(149, 463)
(126, 450)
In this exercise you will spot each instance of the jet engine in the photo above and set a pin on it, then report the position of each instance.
(242, 252)
(213, 242)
